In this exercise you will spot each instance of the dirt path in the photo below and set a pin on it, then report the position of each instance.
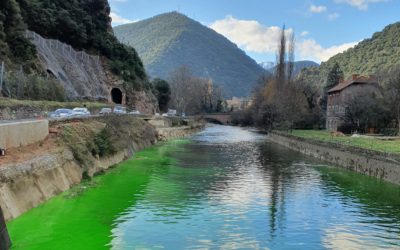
(15, 155)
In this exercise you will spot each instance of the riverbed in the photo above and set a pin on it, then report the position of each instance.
(224, 188)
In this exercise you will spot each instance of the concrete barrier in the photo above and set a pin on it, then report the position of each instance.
(5, 242)
(21, 133)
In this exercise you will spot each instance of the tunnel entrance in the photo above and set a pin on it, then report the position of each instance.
(116, 95)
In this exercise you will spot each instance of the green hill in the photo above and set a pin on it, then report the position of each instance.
(169, 41)
(85, 25)
(372, 56)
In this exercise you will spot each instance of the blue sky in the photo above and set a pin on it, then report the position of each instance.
(322, 28)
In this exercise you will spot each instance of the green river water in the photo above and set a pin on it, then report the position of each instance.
(224, 188)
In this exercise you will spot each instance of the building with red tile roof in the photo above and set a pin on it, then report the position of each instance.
(340, 96)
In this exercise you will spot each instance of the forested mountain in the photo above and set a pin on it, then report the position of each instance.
(85, 25)
(372, 56)
(169, 41)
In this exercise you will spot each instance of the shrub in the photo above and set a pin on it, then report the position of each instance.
(102, 144)
(388, 131)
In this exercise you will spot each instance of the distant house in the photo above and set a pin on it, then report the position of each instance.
(340, 95)
(235, 103)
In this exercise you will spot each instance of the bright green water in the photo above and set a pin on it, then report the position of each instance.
(225, 188)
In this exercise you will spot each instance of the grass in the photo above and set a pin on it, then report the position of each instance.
(392, 146)
(48, 105)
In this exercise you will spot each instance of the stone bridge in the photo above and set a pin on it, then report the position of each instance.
(220, 118)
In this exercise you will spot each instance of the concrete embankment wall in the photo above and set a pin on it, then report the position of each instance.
(22, 133)
(28, 184)
(380, 165)
(25, 185)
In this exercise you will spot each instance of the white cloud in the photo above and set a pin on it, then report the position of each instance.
(117, 19)
(304, 33)
(317, 9)
(255, 37)
(249, 34)
(360, 4)
(310, 49)
(333, 16)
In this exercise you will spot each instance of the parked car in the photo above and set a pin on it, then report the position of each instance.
(62, 113)
(105, 111)
(171, 112)
(119, 110)
(135, 112)
(81, 112)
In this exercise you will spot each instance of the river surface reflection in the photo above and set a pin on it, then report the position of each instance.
(232, 189)
(224, 188)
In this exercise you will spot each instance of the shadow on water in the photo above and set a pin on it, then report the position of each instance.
(378, 198)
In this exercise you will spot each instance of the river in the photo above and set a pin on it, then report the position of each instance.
(224, 188)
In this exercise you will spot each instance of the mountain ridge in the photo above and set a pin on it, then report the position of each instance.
(298, 66)
(186, 42)
(376, 55)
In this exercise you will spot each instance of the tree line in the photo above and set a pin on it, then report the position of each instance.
(282, 102)
(187, 93)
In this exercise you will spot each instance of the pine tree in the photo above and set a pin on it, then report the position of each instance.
(3, 44)
(14, 28)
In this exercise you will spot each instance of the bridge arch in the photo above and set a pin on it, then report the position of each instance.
(222, 118)
(213, 120)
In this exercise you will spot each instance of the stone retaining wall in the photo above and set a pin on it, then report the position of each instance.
(380, 165)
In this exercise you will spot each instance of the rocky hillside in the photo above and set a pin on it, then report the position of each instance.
(74, 44)
(169, 41)
(372, 56)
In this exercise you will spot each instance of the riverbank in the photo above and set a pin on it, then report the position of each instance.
(384, 166)
(226, 187)
(74, 151)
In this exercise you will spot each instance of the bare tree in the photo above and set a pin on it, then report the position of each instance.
(281, 59)
(393, 96)
(192, 94)
(282, 101)
(290, 63)
(180, 81)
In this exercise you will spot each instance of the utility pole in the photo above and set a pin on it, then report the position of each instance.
(1, 76)
(5, 242)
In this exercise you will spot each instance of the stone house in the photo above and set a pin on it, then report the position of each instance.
(235, 103)
(341, 94)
